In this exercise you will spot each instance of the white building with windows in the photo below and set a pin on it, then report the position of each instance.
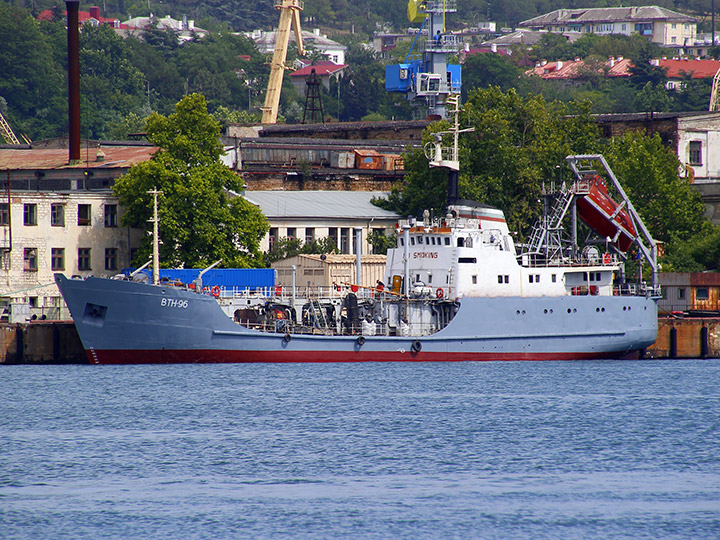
(332, 50)
(313, 215)
(60, 218)
(660, 25)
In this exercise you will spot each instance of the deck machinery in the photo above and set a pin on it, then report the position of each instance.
(427, 77)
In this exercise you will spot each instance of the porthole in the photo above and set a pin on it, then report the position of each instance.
(569, 310)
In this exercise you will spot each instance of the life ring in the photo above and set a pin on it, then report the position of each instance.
(278, 290)
(439, 293)
(360, 340)
(287, 338)
(416, 346)
(216, 291)
(607, 259)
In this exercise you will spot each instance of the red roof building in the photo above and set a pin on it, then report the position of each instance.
(324, 70)
(92, 16)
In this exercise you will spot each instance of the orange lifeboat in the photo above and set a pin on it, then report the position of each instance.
(606, 217)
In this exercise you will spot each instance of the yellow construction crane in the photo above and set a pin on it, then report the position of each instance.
(715, 93)
(7, 132)
(289, 14)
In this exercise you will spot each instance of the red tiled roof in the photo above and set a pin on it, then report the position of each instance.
(57, 158)
(675, 68)
(700, 69)
(571, 69)
(83, 17)
(321, 68)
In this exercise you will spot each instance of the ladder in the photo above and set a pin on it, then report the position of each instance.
(553, 222)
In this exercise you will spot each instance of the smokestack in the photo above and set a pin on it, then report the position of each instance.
(73, 79)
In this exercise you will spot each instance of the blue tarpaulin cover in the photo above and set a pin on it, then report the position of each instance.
(225, 278)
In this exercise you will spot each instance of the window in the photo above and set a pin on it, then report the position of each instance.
(474, 280)
(681, 294)
(702, 293)
(84, 215)
(467, 260)
(291, 233)
(30, 256)
(447, 241)
(344, 240)
(110, 258)
(4, 214)
(57, 259)
(553, 278)
(507, 279)
(673, 39)
(83, 258)
(420, 239)
(530, 277)
(111, 215)
(309, 235)
(272, 237)
(30, 214)
(333, 234)
(695, 156)
(624, 27)
(674, 26)
(57, 215)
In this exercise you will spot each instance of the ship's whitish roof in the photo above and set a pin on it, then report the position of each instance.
(320, 204)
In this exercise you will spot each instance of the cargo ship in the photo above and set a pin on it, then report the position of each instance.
(456, 288)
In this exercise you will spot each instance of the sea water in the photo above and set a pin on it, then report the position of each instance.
(511, 450)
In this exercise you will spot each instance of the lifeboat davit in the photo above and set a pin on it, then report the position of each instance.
(606, 217)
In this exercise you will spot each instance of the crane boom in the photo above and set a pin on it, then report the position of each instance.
(715, 93)
(289, 15)
(7, 132)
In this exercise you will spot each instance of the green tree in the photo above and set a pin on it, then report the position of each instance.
(201, 218)
(489, 69)
(381, 242)
(670, 206)
(653, 98)
(31, 77)
(517, 145)
(111, 86)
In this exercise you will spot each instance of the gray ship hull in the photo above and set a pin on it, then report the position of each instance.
(123, 322)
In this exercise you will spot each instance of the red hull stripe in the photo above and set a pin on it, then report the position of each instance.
(227, 357)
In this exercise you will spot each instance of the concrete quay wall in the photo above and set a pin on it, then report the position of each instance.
(692, 337)
(42, 342)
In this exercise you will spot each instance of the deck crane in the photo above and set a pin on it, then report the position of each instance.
(427, 77)
(289, 15)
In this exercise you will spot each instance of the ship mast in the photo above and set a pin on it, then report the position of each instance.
(448, 156)
(156, 239)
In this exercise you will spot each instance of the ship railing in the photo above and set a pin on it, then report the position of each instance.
(286, 326)
(637, 289)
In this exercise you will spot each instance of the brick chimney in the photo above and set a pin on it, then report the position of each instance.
(94, 12)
